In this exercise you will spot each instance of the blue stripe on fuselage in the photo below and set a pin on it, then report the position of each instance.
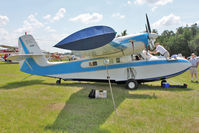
(75, 67)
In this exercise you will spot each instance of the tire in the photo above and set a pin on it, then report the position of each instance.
(58, 82)
(131, 84)
(163, 81)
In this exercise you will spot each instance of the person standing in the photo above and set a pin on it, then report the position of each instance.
(160, 49)
(193, 70)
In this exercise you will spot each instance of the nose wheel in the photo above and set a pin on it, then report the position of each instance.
(58, 82)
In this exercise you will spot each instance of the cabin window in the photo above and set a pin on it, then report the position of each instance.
(90, 64)
(117, 60)
(93, 63)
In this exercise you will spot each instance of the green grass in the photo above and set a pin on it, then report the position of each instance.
(37, 104)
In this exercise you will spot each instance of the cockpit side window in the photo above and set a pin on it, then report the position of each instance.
(117, 60)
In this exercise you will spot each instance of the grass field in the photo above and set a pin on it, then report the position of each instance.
(37, 104)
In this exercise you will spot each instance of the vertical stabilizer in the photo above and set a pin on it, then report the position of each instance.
(32, 53)
(28, 45)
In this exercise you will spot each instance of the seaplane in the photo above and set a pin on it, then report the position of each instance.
(120, 59)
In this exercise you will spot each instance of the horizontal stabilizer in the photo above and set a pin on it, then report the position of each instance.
(87, 39)
(20, 57)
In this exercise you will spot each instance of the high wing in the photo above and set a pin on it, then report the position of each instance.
(100, 41)
(88, 38)
(9, 47)
(117, 47)
(110, 49)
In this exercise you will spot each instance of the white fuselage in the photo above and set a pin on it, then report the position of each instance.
(141, 70)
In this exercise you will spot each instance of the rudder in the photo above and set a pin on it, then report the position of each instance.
(28, 47)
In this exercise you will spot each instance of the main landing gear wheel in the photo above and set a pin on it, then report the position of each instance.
(58, 82)
(162, 82)
(131, 84)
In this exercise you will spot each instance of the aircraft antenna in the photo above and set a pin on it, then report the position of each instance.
(106, 61)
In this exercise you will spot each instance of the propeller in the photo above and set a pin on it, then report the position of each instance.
(146, 28)
(148, 24)
(152, 36)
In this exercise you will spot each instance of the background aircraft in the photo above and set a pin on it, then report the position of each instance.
(6, 51)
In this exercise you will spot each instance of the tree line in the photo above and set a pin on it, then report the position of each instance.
(184, 41)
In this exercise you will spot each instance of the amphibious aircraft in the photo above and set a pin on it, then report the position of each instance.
(122, 60)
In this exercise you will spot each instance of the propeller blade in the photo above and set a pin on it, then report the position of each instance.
(148, 24)
(146, 28)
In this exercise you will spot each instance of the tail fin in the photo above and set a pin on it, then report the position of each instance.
(30, 54)
(28, 45)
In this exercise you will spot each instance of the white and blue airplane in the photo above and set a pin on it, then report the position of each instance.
(125, 58)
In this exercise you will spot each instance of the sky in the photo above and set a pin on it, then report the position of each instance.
(50, 21)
